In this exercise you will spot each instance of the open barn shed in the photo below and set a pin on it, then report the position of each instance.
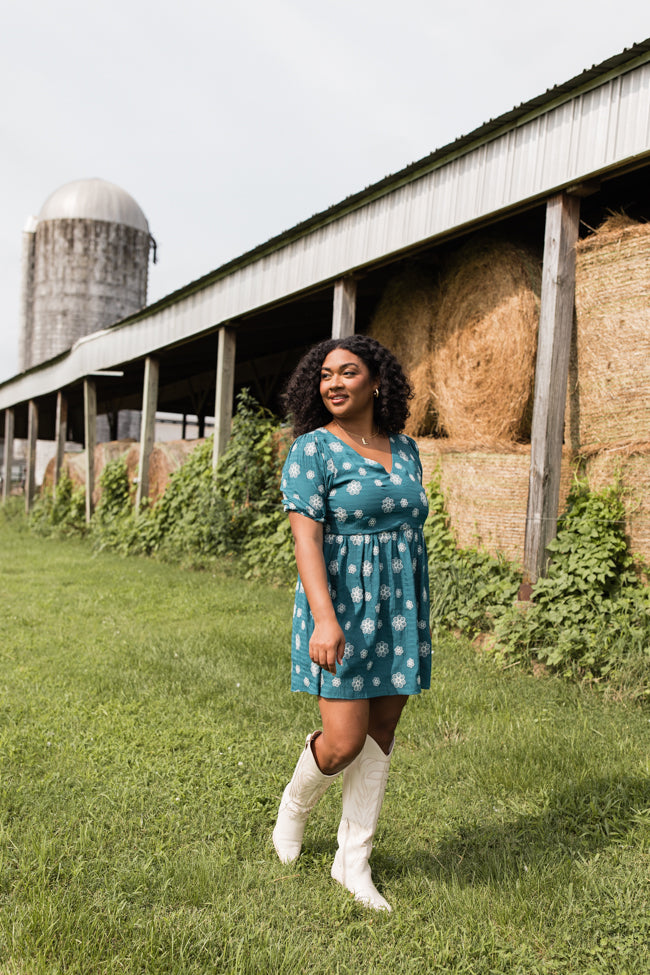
(465, 263)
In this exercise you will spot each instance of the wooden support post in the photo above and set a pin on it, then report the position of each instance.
(32, 437)
(90, 439)
(343, 312)
(60, 434)
(225, 391)
(148, 427)
(551, 372)
(9, 452)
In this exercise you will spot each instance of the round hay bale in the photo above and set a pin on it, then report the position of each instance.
(483, 345)
(166, 458)
(486, 492)
(73, 466)
(104, 454)
(133, 463)
(609, 392)
(403, 323)
(630, 467)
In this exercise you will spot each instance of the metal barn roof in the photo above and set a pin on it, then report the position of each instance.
(596, 124)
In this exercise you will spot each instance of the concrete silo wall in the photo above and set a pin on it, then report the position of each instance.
(26, 320)
(87, 275)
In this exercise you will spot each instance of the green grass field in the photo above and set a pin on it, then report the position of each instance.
(147, 732)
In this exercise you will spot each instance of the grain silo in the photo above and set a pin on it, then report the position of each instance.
(85, 263)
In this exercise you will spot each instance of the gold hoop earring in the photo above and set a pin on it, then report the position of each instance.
(376, 394)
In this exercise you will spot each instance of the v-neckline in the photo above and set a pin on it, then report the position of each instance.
(368, 460)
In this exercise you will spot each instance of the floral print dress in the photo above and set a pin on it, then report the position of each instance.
(376, 564)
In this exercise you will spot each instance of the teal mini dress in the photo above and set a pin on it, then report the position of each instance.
(376, 562)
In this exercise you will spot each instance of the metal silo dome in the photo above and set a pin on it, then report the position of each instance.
(94, 199)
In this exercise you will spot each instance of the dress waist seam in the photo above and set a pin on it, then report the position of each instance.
(372, 534)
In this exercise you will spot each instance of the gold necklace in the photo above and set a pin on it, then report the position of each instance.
(356, 435)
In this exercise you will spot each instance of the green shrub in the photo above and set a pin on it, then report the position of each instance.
(248, 479)
(590, 615)
(191, 517)
(112, 525)
(206, 515)
(60, 512)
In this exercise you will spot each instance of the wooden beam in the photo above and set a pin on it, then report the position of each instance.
(344, 309)
(60, 434)
(148, 427)
(553, 351)
(225, 390)
(32, 437)
(90, 439)
(9, 452)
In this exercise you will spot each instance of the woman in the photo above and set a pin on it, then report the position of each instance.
(352, 486)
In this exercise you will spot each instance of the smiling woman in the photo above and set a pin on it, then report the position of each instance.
(352, 486)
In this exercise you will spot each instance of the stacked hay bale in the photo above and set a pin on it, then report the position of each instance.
(608, 404)
(486, 491)
(629, 466)
(482, 361)
(467, 340)
(403, 322)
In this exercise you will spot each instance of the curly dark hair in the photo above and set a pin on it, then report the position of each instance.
(303, 401)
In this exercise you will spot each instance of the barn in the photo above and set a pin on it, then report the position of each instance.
(509, 269)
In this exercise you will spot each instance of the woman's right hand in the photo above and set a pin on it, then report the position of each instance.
(327, 645)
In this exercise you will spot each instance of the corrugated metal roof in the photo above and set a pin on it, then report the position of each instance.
(591, 125)
(596, 75)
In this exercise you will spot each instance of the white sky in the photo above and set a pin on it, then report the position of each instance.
(231, 122)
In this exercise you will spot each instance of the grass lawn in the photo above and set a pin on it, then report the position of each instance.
(146, 734)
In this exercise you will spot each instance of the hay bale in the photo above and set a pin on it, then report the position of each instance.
(74, 465)
(132, 461)
(166, 458)
(104, 454)
(609, 391)
(486, 492)
(483, 346)
(403, 322)
(630, 467)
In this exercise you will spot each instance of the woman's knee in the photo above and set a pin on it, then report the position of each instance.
(334, 753)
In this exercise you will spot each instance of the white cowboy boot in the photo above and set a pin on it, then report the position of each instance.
(364, 784)
(304, 790)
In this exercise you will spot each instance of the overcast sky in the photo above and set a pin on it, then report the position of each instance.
(231, 122)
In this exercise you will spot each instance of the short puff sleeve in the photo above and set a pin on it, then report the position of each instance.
(405, 441)
(304, 478)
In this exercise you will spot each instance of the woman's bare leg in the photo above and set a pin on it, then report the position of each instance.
(383, 719)
(346, 725)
